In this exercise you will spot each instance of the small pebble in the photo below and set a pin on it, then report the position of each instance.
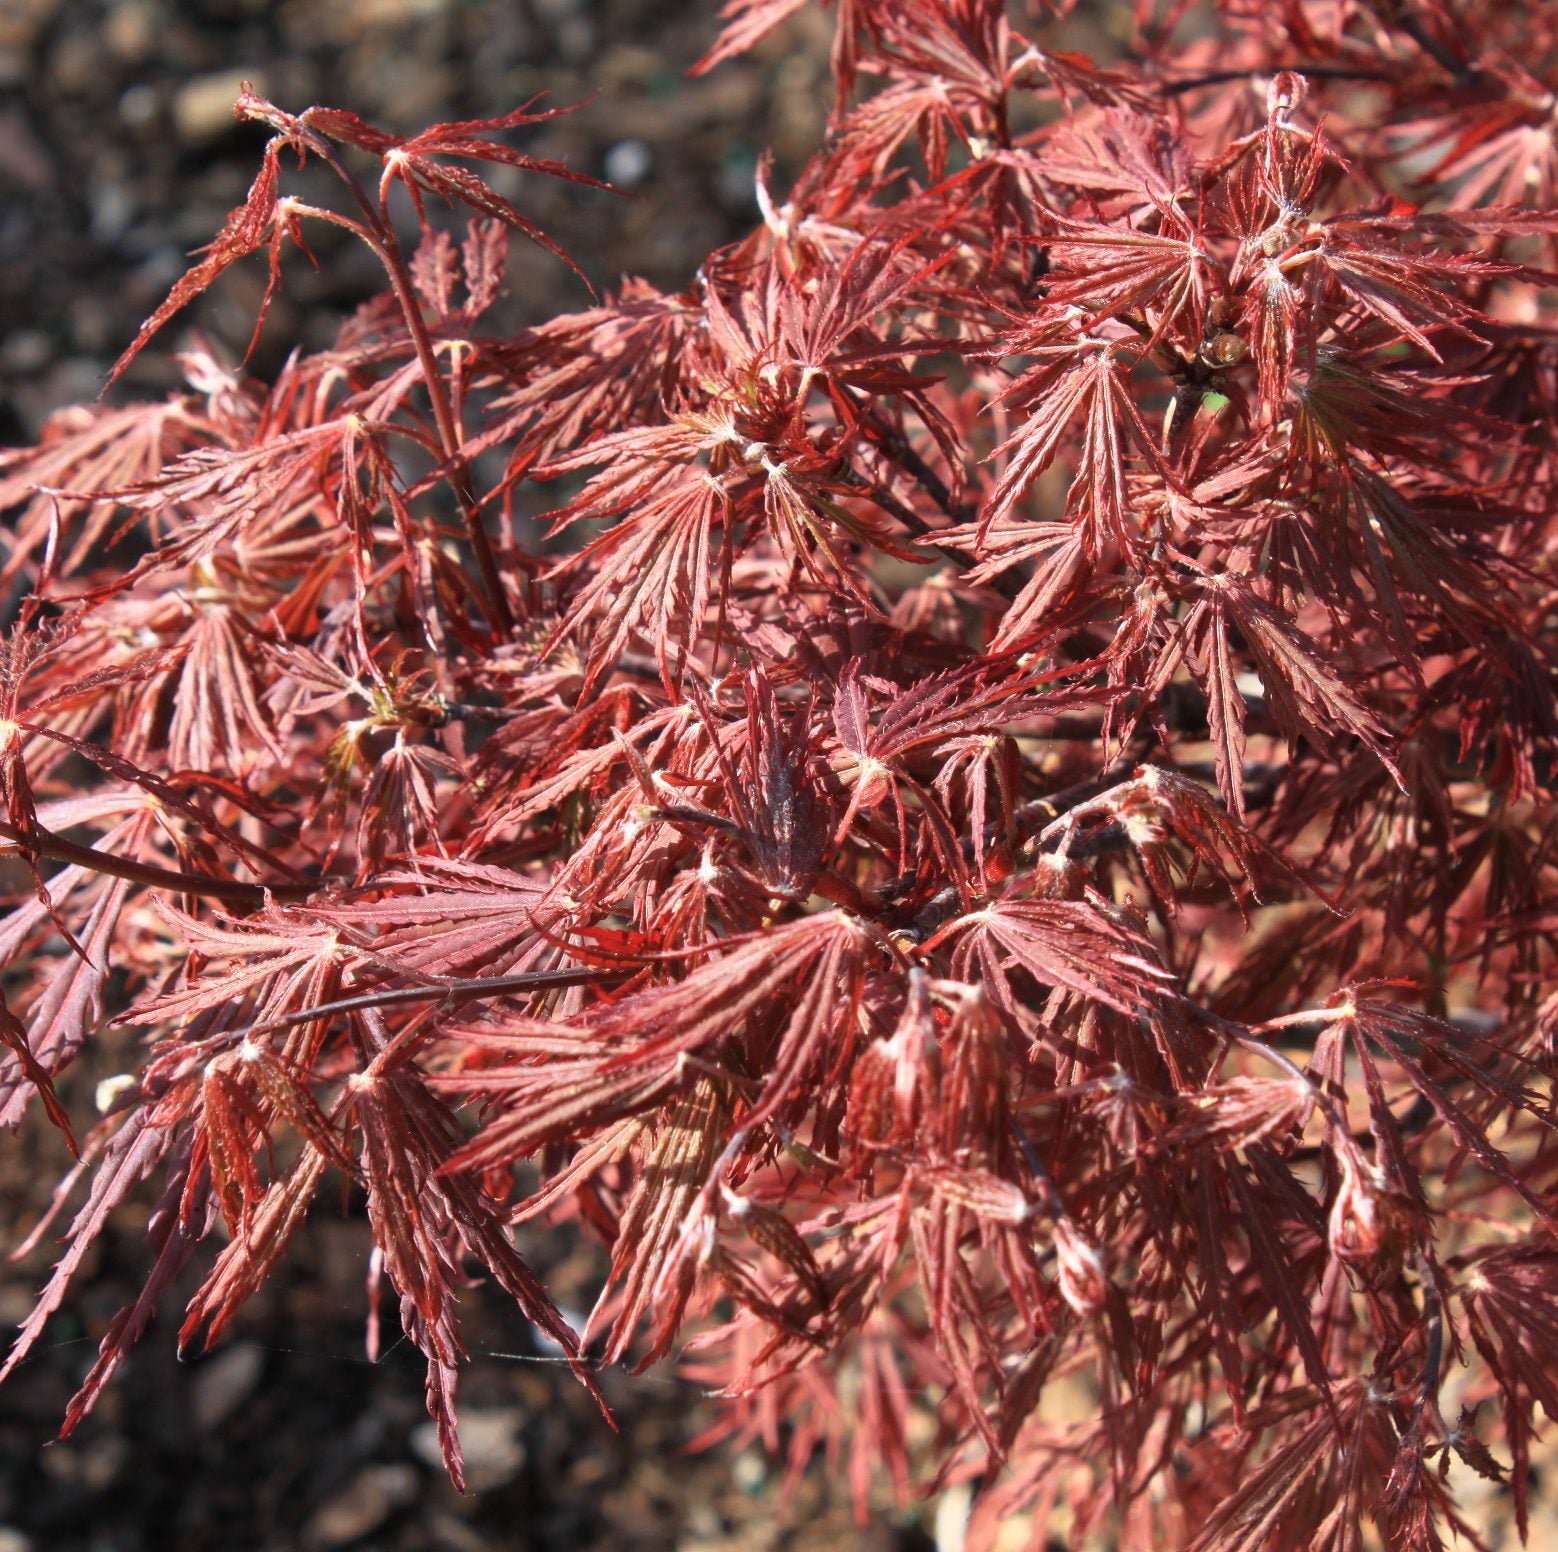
(203, 108)
(139, 106)
(361, 1504)
(489, 1437)
(222, 1383)
(627, 163)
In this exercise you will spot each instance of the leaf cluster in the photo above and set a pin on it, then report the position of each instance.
(968, 793)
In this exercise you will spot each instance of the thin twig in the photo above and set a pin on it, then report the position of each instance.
(45, 843)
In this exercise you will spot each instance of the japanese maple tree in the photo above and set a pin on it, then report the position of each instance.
(968, 793)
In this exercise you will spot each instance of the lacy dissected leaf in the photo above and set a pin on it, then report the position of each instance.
(1306, 694)
(785, 819)
(72, 1002)
(421, 1220)
(651, 572)
(1075, 381)
(138, 1144)
(415, 162)
(1062, 943)
(655, 1259)
(247, 229)
(246, 1261)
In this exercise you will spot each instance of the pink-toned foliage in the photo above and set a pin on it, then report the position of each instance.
(994, 832)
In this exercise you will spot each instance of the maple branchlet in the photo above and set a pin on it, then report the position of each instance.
(1001, 831)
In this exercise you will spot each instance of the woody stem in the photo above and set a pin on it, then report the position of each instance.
(448, 432)
(382, 239)
(44, 843)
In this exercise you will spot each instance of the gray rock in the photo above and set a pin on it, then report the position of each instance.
(223, 1383)
(203, 108)
(361, 1504)
(494, 1452)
